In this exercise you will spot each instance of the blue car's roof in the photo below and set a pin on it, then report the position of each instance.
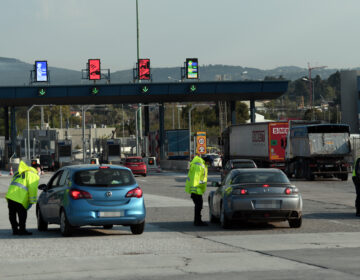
(93, 166)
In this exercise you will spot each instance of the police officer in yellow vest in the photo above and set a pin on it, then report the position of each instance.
(196, 186)
(22, 193)
(356, 180)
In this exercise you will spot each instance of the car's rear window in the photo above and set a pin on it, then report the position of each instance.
(131, 160)
(243, 165)
(260, 177)
(104, 177)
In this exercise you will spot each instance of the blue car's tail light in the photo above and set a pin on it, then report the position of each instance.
(137, 192)
(78, 194)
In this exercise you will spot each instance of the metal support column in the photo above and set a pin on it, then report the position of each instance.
(233, 112)
(13, 130)
(6, 120)
(147, 129)
(252, 110)
(147, 120)
(162, 131)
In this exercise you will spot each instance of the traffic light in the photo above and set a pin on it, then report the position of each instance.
(94, 90)
(192, 88)
(94, 69)
(41, 91)
(144, 69)
(192, 69)
(145, 89)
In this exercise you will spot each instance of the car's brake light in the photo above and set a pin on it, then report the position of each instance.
(240, 191)
(266, 186)
(137, 192)
(288, 191)
(292, 190)
(104, 167)
(78, 194)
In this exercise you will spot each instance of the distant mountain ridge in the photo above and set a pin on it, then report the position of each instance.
(14, 72)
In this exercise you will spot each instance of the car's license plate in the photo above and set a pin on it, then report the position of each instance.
(111, 214)
(267, 204)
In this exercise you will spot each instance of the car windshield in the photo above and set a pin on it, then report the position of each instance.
(133, 160)
(242, 165)
(104, 177)
(260, 177)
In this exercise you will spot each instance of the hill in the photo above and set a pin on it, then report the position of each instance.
(14, 72)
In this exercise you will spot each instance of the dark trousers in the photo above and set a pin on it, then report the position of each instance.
(357, 189)
(198, 201)
(16, 209)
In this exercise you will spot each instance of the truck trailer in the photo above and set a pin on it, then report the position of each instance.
(318, 150)
(262, 142)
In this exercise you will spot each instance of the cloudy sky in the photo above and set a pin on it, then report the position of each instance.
(251, 33)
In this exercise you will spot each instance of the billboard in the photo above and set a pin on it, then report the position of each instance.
(41, 71)
(94, 69)
(144, 69)
(192, 69)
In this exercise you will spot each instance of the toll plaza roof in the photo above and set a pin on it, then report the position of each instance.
(144, 92)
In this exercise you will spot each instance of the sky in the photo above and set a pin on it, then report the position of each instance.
(263, 34)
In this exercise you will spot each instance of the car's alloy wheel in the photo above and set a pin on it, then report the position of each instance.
(65, 227)
(138, 228)
(295, 223)
(224, 221)
(41, 224)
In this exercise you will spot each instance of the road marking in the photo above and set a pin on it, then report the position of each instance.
(292, 241)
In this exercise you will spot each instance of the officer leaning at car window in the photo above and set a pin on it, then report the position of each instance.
(196, 185)
(356, 180)
(21, 195)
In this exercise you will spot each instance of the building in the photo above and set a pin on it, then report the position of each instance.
(350, 101)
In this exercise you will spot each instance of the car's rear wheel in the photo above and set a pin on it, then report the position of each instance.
(144, 175)
(41, 224)
(212, 218)
(107, 226)
(224, 221)
(295, 223)
(138, 228)
(65, 227)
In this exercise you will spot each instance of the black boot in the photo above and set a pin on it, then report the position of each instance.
(200, 224)
(24, 232)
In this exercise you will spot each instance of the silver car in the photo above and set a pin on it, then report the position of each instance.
(256, 194)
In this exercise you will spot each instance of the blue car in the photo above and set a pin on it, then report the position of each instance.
(96, 195)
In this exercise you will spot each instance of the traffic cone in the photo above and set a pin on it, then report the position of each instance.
(11, 171)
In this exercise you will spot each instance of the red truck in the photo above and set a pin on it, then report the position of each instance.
(264, 143)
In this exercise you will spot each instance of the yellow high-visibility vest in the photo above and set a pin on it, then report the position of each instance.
(24, 184)
(197, 177)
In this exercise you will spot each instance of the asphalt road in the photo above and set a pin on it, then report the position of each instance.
(327, 246)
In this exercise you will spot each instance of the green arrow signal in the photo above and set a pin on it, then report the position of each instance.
(94, 91)
(192, 88)
(42, 92)
(145, 89)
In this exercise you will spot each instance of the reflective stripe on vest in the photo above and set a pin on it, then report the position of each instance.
(19, 185)
(200, 164)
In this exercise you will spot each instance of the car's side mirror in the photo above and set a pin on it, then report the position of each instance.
(43, 187)
(215, 184)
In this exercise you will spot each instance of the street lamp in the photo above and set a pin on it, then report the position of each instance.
(312, 97)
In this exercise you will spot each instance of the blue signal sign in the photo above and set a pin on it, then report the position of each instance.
(41, 71)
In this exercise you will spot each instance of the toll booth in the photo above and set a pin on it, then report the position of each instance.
(111, 151)
(63, 152)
